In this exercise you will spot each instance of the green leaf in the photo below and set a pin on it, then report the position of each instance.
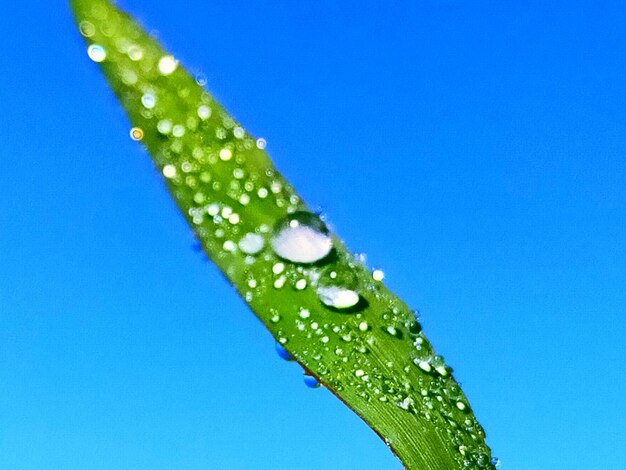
(334, 316)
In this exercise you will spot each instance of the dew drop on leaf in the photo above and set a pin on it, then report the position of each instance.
(302, 238)
(338, 297)
(167, 65)
(337, 287)
(251, 243)
(96, 52)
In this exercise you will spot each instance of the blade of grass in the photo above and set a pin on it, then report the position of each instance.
(335, 318)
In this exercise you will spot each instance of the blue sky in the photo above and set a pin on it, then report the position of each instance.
(474, 150)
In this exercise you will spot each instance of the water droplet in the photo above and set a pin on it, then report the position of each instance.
(338, 297)
(495, 462)
(135, 52)
(136, 133)
(261, 143)
(87, 29)
(311, 381)
(278, 268)
(167, 65)
(363, 326)
(262, 193)
(461, 406)
(302, 238)
(238, 132)
(226, 154)
(229, 245)
(169, 171)
(337, 287)
(424, 365)
(204, 112)
(304, 313)
(251, 243)
(148, 100)
(201, 79)
(378, 275)
(96, 52)
(164, 126)
(283, 353)
(300, 284)
(406, 403)
(178, 130)
(280, 282)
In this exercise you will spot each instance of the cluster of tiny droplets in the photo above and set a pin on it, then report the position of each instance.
(209, 159)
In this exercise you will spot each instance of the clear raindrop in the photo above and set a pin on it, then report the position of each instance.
(302, 238)
(251, 243)
(96, 52)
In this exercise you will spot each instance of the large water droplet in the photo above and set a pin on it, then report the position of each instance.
(302, 238)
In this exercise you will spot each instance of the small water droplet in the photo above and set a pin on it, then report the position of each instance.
(378, 275)
(363, 326)
(148, 100)
(96, 52)
(406, 403)
(169, 171)
(304, 313)
(311, 381)
(278, 268)
(300, 284)
(226, 154)
(238, 132)
(87, 29)
(204, 112)
(229, 245)
(496, 462)
(136, 133)
(461, 406)
(251, 243)
(302, 238)
(178, 130)
(338, 297)
(164, 126)
(201, 79)
(261, 143)
(167, 65)
(283, 353)
(135, 52)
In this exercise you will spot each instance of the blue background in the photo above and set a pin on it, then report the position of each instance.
(474, 150)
